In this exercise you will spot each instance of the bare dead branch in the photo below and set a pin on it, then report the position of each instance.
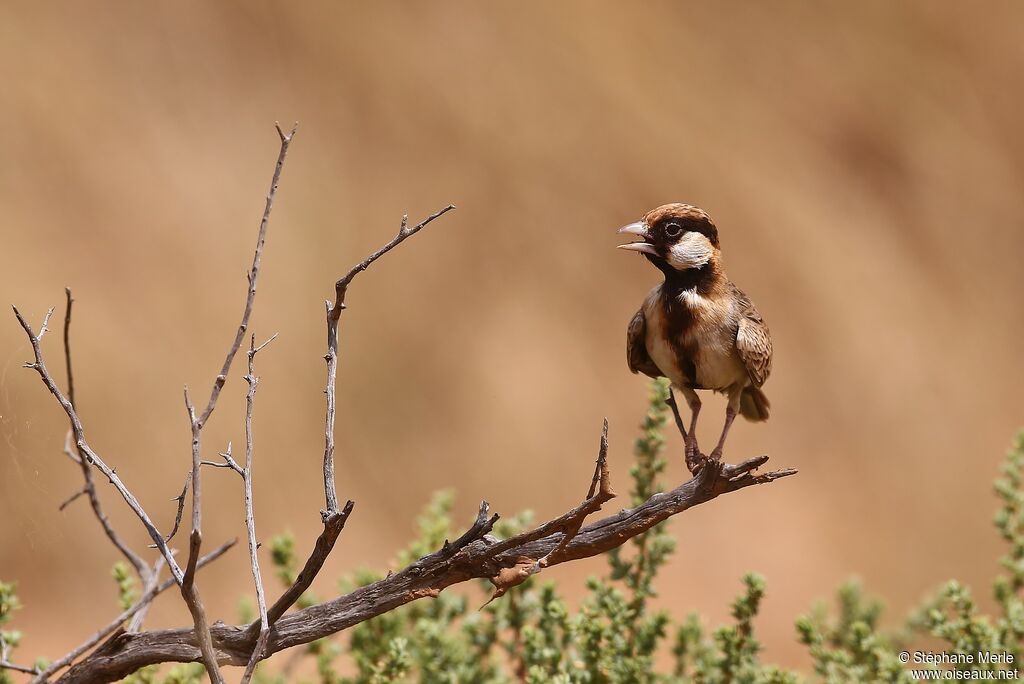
(254, 351)
(427, 577)
(140, 566)
(565, 523)
(152, 581)
(135, 609)
(188, 589)
(481, 526)
(67, 345)
(250, 521)
(196, 538)
(189, 592)
(254, 271)
(70, 500)
(333, 316)
(333, 526)
(222, 464)
(68, 451)
(181, 509)
(600, 492)
(86, 451)
(333, 519)
(229, 462)
(6, 664)
(44, 328)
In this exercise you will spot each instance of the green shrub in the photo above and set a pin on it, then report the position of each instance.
(530, 634)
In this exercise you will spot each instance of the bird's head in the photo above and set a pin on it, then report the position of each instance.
(675, 238)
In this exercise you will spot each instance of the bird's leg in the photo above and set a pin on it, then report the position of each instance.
(671, 401)
(730, 415)
(693, 455)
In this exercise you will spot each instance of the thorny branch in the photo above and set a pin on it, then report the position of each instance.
(87, 458)
(568, 525)
(250, 522)
(254, 271)
(86, 451)
(333, 519)
(333, 317)
(471, 556)
(146, 574)
(188, 589)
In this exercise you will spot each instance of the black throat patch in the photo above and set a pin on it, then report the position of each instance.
(679, 319)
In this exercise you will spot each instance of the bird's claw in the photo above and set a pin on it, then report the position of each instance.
(694, 459)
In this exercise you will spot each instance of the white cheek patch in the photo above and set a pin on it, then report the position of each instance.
(692, 251)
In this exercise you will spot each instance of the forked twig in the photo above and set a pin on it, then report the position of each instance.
(188, 589)
(333, 316)
(334, 519)
(568, 525)
(86, 451)
(144, 601)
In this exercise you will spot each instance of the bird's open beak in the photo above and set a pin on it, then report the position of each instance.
(640, 230)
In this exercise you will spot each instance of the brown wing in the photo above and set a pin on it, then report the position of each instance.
(753, 341)
(636, 347)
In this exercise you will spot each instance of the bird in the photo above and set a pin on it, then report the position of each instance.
(696, 327)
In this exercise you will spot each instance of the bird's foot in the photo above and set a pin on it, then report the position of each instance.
(694, 459)
(716, 454)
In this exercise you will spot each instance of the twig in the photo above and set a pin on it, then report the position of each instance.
(189, 592)
(321, 550)
(333, 316)
(143, 602)
(88, 455)
(151, 583)
(44, 328)
(286, 141)
(333, 519)
(224, 464)
(181, 509)
(68, 451)
(6, 664)
(250, 522)
(141, 567)
(481, 526)
(188, 589)
(67, 344)
(600, 492)
(568, 525)
(70, 500)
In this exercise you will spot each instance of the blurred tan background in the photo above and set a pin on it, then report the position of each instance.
(864, 163)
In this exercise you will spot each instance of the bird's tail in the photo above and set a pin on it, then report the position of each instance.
(754, 405)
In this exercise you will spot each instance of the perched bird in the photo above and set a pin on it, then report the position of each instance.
(696, 328)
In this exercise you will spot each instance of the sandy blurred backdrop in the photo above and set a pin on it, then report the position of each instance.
(864, 164)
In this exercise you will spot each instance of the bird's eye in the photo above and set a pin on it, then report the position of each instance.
(673, 230)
